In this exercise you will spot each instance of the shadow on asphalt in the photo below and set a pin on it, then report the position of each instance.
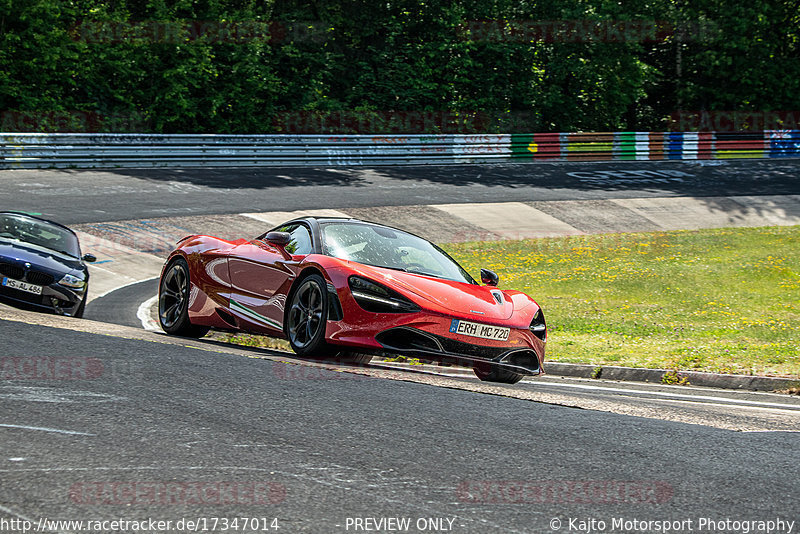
(700, 177)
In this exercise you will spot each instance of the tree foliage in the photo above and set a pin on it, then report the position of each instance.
(257, 66)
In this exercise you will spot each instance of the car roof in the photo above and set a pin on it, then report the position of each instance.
(317, 220)
(28, 215)
(322, 219)
(326, 218)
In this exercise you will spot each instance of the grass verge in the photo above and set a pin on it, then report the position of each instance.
(722, 300)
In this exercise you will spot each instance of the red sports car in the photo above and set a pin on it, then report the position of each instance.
(349, 289)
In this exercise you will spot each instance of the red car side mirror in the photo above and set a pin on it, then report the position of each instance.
(489, 278)
(279, 240)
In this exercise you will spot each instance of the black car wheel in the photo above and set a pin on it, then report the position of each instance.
(492, 373)
(173, 302)
(307, 316)
(81, 307)
(360, 358)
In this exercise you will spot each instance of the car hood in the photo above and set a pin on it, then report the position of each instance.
(479, 302)
(44, 258)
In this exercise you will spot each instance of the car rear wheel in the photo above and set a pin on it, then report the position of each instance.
(173, 302)
(307, 317)
(492, 373)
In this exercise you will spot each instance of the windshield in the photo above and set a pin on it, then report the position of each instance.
(386, 247)
(39, 233)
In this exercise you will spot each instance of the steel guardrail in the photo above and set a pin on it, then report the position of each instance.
(110, 150)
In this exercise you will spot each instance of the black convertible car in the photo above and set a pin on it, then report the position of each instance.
(41, 266)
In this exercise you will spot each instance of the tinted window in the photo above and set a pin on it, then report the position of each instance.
(385, 247)
(301, 239)
(40, 233)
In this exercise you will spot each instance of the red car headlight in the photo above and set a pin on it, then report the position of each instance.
(376, 298)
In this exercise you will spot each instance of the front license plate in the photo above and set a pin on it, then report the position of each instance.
(484, 331)
(22, 286)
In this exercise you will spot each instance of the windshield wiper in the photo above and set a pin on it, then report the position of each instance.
(415, 271)
(388, 267)
(412, 271)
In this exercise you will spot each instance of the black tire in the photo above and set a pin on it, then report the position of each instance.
(360, 358)
(81, 307)
(492, 373)
(173, 301)
(306, 318)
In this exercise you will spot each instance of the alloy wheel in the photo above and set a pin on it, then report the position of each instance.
(174, 295)
(306, 314)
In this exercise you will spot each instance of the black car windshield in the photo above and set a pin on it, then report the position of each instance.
(380, 246)
(38, 232)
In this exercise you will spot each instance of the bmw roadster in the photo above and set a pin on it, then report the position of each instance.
(349, 289)
(41, 265)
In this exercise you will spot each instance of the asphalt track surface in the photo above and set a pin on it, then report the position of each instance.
(83, 196)
(120, 306)
(152, 428)
(162, 417)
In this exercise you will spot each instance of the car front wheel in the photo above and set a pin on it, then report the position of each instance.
(173, 302)
(307, 316)
(78, 314)
(492, 373)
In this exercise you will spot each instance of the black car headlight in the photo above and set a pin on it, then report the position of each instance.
(538, 326)
(75, 282)
(376, 298)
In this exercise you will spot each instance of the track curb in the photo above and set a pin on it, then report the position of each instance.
(693, 378)
(636, 374)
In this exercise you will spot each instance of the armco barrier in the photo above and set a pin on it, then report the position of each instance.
(21, 151)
